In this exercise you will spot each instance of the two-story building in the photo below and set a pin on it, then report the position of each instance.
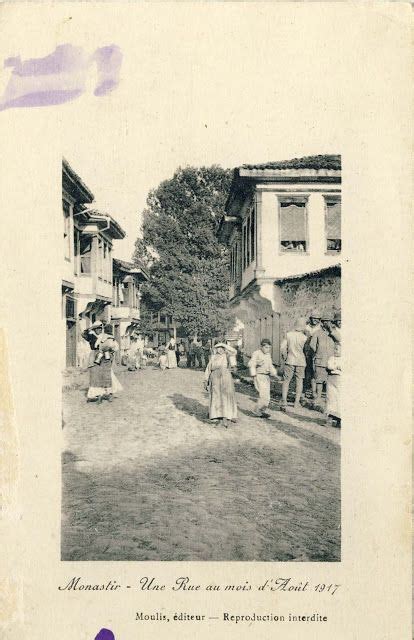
(126, 295)
(282, 225)
(88, 236)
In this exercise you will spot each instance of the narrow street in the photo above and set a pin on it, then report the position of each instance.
(147, 477)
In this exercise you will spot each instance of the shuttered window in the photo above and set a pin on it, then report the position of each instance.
(249, 238)
(293, 225)
(333, 224)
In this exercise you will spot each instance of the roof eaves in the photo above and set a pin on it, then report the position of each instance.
(335, 268)
(87, 194)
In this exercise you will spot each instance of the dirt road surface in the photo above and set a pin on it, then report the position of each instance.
(147, 477)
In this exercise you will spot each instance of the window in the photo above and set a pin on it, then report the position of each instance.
(249, 238)
(293, 225)
(85, 249)
(234, 259)
(100, 258)
(66, 230)
(333, 224)
(76, 249)
(252, 234)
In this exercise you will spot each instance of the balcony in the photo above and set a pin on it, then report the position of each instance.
(125, 313)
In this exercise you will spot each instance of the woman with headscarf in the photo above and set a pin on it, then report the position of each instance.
(103, 382)
(219, 382)
(171, 357)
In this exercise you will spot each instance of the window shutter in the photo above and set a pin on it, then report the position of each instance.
(333, 220)
(292, 221)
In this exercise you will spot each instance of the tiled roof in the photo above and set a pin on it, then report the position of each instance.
(334, 269)
(76, 182)
(95, 213)
(307, 162)
(131, 266)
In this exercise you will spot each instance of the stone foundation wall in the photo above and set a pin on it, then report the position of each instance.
(299, 297)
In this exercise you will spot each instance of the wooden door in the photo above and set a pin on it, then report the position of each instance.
(70, 343)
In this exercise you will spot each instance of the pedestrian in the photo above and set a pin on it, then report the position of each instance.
(191, 353)
(103, 383)
(91, 336)
(171, 356)
(181, 351)
(132, 354)
(261, 368)
(312, 325)
(163, 359)
(333, 387)
(334, 328)
(219, 382)
(198, 354)
(206, 350)
(292, 350)
(322, 347)
(140, 350)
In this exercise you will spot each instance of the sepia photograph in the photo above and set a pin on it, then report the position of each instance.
(187, 450)
(202, 377)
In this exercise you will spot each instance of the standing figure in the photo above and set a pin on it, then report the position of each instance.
(261, 368)
(333, 387)
(181, 350)
(103, 382)
(312, 326)
(292, 350)
(198, 354)
(132, 354)
(191, 353)
(91, 336)
(163, 359)
(334, 328)
(206, 350)
(171, 356)
(322, 347)
(219, 382)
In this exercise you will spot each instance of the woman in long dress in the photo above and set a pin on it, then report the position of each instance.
(171, 356)
(333, 387)
(219, 382)
(103, 383)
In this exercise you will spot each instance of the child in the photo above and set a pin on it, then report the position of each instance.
(333, 389)
(163, 360)
(261, 368)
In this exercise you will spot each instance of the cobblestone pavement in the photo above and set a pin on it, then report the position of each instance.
(147, 477)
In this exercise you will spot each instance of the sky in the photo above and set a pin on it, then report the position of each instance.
(201, 84)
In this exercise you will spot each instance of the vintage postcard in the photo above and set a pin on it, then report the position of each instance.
(194, 443)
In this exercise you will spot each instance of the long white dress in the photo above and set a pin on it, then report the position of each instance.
(333, 388)
(221, 387)
(171, 357)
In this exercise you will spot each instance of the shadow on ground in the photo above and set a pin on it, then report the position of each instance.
(227, 500)
(191, 406)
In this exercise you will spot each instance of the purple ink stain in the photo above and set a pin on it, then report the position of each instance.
(60, 77)
(105, 634)
(108, 60)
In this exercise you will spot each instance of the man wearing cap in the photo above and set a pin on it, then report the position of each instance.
(322, 346)
(261, 368)
(312, 326)
(295, 361)
(334, 328)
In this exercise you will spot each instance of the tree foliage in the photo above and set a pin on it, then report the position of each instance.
(188, 267)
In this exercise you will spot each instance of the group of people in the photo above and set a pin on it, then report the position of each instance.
(311, 355)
